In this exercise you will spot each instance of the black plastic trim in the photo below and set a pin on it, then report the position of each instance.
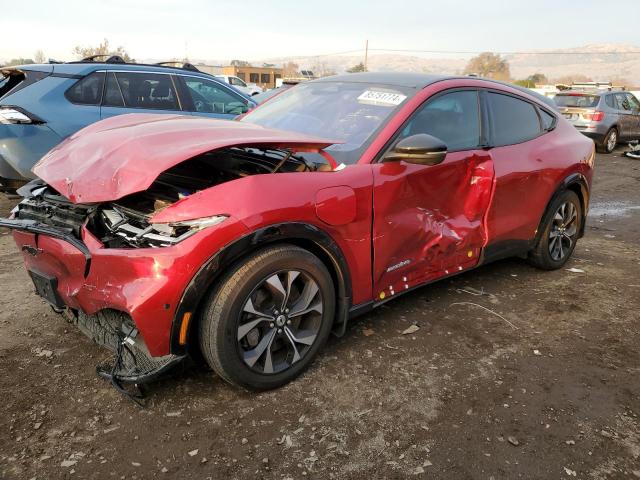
(292, 232)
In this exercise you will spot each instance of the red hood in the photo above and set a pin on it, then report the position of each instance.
(125, 154)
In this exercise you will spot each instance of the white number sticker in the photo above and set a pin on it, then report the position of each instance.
(381, 98)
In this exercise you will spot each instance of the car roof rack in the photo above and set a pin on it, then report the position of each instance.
(110, 59)
(183, 65)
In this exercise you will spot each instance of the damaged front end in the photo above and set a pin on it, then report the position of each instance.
(116, 272)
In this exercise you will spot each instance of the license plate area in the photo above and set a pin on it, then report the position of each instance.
(47, 288)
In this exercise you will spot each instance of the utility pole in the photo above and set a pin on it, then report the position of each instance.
(366, 54)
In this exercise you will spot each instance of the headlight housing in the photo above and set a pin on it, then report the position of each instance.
(139, 234)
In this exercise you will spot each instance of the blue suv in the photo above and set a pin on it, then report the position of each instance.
(40, 105)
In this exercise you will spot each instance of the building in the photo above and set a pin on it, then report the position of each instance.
(264, 77)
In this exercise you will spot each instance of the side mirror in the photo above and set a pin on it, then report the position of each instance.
(421, 149)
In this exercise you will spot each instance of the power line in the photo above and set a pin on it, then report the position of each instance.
(505, 52)
(474, 52)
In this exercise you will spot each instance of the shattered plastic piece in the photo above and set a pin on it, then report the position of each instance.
(412, 329)
(575, 270)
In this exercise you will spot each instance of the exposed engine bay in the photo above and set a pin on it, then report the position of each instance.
(125, 223)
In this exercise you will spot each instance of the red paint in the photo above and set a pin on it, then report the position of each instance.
(416, 223)
(125, 154)
(336, 205)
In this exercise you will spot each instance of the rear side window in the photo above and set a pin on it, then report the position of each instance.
(548, 120)
(610, 101)
(210, 97)
(87, 91)
(453, 117)
(147, 90)
(577, 100)
(512, 120)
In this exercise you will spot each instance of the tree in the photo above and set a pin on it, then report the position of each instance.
(290, 70)
(569, 79)
(102, 49)
(533, 80)
(19, 61)
(240, 63)
(39, 57)
(490, 65)
(357, 68)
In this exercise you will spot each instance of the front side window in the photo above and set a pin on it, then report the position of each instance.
(623, 103)
(112, 94)
(87, 91)
(147, 90)
(237, 82)
(512, 120)
(633, 101)
(210, 97)
(453, 118)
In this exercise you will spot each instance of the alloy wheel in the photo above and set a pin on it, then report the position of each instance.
(564, 228)
(612, 140)
(280, 321)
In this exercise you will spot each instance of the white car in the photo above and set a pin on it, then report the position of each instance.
(240, 84)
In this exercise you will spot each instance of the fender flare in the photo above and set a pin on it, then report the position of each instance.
(574, 179)
(291, 232)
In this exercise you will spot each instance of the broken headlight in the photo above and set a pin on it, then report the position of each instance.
(140, 233)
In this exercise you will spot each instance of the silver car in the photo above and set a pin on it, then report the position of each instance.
(609, 117)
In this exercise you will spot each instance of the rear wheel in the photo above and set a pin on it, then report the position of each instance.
(268, 318)
(560, 229)
(609, 142)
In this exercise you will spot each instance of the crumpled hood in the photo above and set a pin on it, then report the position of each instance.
(125, 154)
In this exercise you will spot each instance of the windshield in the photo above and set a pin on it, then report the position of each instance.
(576, 100)
(348, 112)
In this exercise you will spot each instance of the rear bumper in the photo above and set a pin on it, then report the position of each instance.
(597, 131)
(147, 283)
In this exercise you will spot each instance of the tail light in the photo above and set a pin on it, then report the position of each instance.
(596, 116)
(13, 115)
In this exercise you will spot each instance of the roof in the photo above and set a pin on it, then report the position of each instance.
(422, 80)
(400, 79)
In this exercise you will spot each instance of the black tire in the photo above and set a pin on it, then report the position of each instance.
(609, 142)
(225, 314)
(544, 254)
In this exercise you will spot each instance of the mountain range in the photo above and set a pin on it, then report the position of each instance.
(594, 61)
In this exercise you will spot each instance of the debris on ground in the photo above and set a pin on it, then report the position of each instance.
(411, 329)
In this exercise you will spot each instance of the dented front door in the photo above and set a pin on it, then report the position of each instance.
(429, 221)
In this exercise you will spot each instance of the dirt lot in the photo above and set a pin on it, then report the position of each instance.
(551, 390)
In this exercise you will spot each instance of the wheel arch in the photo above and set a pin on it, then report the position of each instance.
(304, 235)
(577, 183)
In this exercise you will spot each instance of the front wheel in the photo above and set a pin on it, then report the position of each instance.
(560, 230)
(265, 322)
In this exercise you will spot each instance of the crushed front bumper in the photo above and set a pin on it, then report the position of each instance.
(147, 284)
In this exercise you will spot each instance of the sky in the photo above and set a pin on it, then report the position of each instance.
(252, 29)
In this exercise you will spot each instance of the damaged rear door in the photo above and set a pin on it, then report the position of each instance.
(429, 221)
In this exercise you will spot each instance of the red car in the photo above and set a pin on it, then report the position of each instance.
(251, 241)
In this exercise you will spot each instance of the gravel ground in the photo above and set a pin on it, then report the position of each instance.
(546, 386)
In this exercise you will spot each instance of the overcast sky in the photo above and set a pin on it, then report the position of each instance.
(252, 29)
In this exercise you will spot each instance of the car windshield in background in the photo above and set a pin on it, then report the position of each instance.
(576, 100)
(344, 111)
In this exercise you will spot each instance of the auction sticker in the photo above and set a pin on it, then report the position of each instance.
(374, 97)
